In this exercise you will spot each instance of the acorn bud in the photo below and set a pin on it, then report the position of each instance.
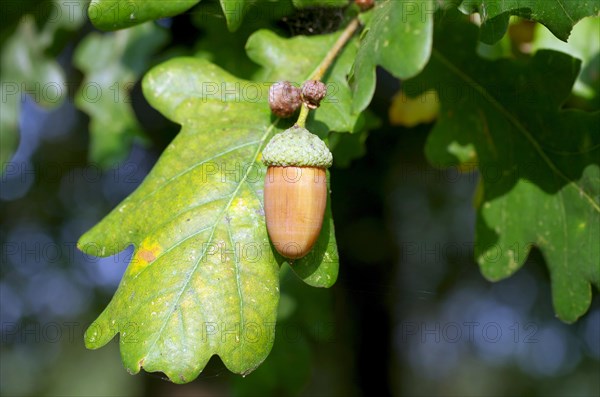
(284, 99)
(313, 91)
(295, 193)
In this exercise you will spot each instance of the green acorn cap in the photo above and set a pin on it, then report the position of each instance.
(297, 147)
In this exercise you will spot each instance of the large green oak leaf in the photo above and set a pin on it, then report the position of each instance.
(538, 164)
(557, 15)
(204, 277)
(202, 280)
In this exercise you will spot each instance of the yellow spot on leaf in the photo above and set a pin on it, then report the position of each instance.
(145, 254)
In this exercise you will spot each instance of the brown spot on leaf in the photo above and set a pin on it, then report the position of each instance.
(147, 255)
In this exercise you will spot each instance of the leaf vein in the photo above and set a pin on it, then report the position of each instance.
(193, 167)
(236, 266)
(565, 11)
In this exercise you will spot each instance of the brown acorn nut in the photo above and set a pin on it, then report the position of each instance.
(313, 92)
(296, 190)
(284, 99)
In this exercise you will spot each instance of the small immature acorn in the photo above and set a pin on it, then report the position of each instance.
(295, 192)
(284, 99)
(313, 92)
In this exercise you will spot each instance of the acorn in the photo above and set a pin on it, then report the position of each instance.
(313, 92)
(284, 99)
(295, 193)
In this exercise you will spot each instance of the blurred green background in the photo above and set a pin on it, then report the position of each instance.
(410, 313)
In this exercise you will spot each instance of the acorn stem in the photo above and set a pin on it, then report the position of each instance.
(332, 53)
(318, 73)
(302, 116)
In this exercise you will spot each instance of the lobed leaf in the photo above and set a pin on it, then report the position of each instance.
(539, 165)
(202, 280)
(204, 277)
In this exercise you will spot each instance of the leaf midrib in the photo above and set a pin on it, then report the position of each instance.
(520, 127)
